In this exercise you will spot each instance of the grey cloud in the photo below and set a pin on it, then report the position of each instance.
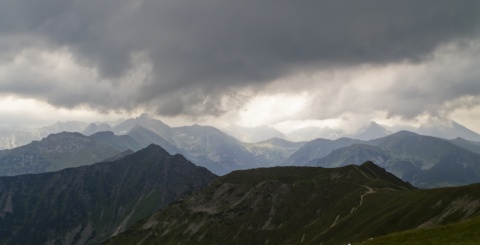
(202, 51)
(436, 88)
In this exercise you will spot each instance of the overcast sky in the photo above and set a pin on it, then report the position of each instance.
(250, 62)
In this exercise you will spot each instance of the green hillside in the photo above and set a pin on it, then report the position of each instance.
(464, 233)
(303, 205)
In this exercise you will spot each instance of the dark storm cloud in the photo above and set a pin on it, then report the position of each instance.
(205, 49)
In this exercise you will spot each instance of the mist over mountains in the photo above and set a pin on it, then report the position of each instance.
(287, 122)
(424, 161)
(101, 183)
(11, 137)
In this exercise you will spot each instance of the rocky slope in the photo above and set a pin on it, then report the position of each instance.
(87, 205)
(472, 146)
(205, 146)
(211, 148)
(273, 152)
(63, 150)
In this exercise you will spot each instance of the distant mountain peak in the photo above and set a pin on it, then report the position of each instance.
(255, 134)
(154, 148)
(372, 131)
(447, 129)
(65, 135)
(93, 128)
(103, 133)
(145, 115)
(313, 132)
(405, 132)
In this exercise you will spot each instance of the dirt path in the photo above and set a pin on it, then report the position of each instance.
(335, 222)
(370, 190)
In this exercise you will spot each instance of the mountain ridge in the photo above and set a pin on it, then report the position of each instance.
(62, 150)
(425, 161)
(88, 204)
(311, 205)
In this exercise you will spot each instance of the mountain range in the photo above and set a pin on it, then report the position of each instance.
(255, 134)
(317, 148)
(421, 160)
(63, 150)
(11, 137)
(206, 146)
(274, 151)
(424, 161)
(371, 131)
(88, 204)
(152, 196)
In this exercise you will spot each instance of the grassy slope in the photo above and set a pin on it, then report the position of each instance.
(303, 206)
(464, 233)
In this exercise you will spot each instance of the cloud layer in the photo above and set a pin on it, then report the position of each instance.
(210, 57)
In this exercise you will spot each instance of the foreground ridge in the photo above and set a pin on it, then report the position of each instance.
(292, 205)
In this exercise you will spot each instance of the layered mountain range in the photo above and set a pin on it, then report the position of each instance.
(152, 196)
(421, 160)
(63, 150)
(11, 137)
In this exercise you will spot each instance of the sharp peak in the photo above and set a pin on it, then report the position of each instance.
(378, 172)
(370, 164)
(154, 148)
